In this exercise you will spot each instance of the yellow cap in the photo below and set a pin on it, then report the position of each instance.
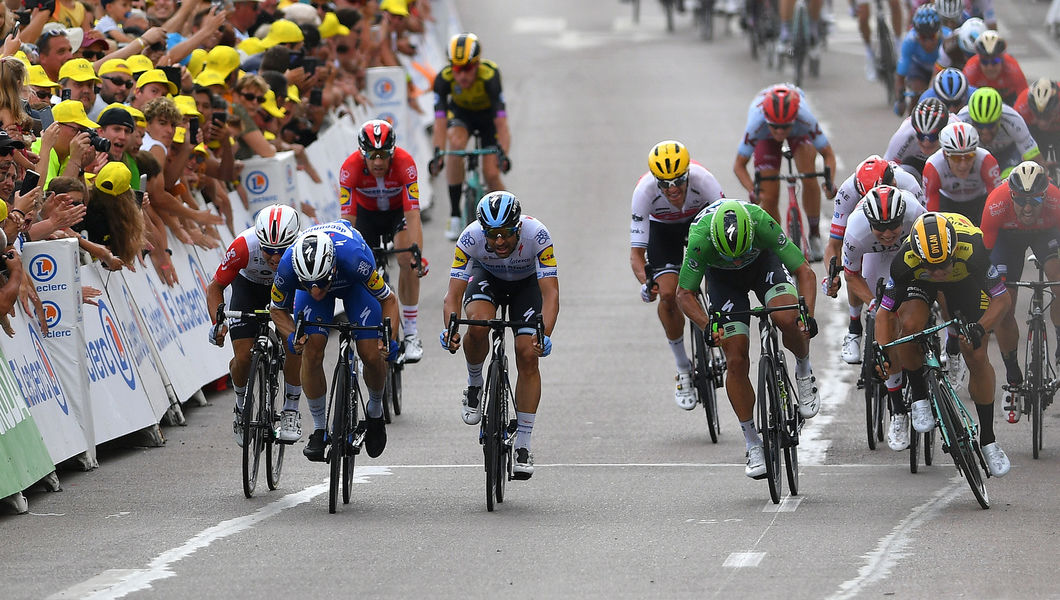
(208, 78)
(72, 111)
(138, 63)
(293, 95)
(187, 107)
(39, 77)
(223, 60)
(3, 215)
(156, 76)
(197, 61)
(114, 178)
(137, 115)
(252, 46)
(270, 105)
(201, 149)
(78, 69)
(268, 135)
(395, 7)
(330, 26)
(283, 31)
(22, 56)
(115, 65)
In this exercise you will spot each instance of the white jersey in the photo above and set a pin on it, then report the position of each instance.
(859, 239)
(904, 147)
(244, 256)
(847, 198)
(650, 204)
(533, 255)
(1012, 134)
(939, 180)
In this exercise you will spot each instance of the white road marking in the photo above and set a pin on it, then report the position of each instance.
(648, 465)
(787, 504)
(116, 583)
(739, 560)
(893, 547)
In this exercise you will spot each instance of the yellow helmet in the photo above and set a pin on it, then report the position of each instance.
(933, 238)
(668, 160)
(464, 49)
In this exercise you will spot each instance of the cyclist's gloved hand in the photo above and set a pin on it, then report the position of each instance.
(425, 267)
(435, 166)
(503, 162)
(899, 106)
(811, 326)
(546, 347)
(645, 293)
(392, 351)
(290, 343)
(442, 339)
(975, 335)
(215, 333)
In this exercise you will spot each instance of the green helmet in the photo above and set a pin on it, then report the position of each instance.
(984, 106)
(731, 229)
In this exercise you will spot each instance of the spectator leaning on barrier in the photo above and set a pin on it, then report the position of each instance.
(112, 216)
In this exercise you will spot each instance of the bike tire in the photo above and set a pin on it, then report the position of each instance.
(768, 406)
(706, 20)
(386, 400)
(870, 382)
(963, 449)
(395, 385)
(755, 26)
(338, 433)
(701, 374)
(1036, 376)
(636, 11)
(795, 232)
(888, 60)
(491, 430)
(504, 451)
(914, 451)
(929, 447)
(349, 457)
(252, 430)
(274, 450)
(800, 41)
(472, 193)
(792, 425)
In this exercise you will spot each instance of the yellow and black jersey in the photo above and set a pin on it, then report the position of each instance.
(485, 93)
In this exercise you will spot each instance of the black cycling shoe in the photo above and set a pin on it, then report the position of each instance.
(314, 449)
(374, 436)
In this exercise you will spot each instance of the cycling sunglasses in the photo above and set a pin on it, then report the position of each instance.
(967, 157)
(319, 283)
(665, 184)
(889, 227)
(272, 251)
(377, 155)
(500, 232)
(984, 125)
(927, 137)
(1025, 200)
(942, 266)
(467, 68)
(779, 125)
(989, 60)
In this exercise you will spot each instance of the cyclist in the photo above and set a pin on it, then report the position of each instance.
(944, 256)
(951, 13)
(862, 12)
(776, 114)
(993, 67)
(1039, 105)
(248, 266)
(917, 56)
(917, 137)
(330, 262)
(739, 248)
(379, 192)
(1001, 129)
(468, 99)
(960, 175)
(505, 258)
(787, 15)
(951, 86)
(873, 236)
(666, 199)
(1023, 212)
(872, 171)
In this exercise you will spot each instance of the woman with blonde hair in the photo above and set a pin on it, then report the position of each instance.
(113, 217)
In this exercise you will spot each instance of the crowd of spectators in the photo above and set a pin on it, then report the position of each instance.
(121, 119)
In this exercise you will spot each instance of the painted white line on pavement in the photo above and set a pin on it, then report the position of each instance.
(893, 547)
(739, 560)
(651, 465)
(128, 581)
(787, 504)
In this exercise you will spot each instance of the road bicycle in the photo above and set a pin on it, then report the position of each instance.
(708, 363)
(763, 24)
(1039, 379)
(382, 253)
(496, 431)
(886, 53)
(346, 431)
(777, 405)
(474, 182)
(801, 41)
(669, 6)
(796, 229)
(261, 412)
(873, 385)
(957, 428)
(703, 15)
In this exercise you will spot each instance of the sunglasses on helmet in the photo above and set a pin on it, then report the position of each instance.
(665, 184)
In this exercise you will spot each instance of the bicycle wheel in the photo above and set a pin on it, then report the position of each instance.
(668, 7)
(914, 451)
(253, 439)
(472, 193)
(800, 43)
(273, 449)
(503, 449)
(963, 449)
(704, 381)
(492, 430)
(705, 19)
(1035, 376)
(871, 383)
(795, 233)
(769, 425)
(349, 456)
(395, 385)
(338, 435)
(755, 25)
(888, 59)
(636, 11)
(792, 425)
(929, 447)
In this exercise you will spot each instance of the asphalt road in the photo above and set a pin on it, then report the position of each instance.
(630, 498)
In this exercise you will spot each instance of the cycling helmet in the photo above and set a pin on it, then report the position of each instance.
(1042, 97)
(376, 135)
(781, 105)
(276, 226)
(930, 116)
(668, 160)
(989, 44)
(949, 9)
(873, 171)
(926, 19)
(731, 229)
(984, 105)
(464, 49)
(884, 206)
(950, 85)
(968, 32)
(1028, 179)
(959, 138)
(499, 209)
(314, 258)
(933, 238)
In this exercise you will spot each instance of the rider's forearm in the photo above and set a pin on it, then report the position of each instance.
(807, 285)
(438, 133)
(885, 321)
(549, 302)
(739, 169)
(504, 135)
(999, 305)
(686, 299)
(858, 286)
(214, 297)
(283, 321)
(637, 259)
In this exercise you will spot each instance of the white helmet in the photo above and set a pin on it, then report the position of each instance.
(959, 138)
(276, 226)
(314, 257)
(968, 33)
(949, 9)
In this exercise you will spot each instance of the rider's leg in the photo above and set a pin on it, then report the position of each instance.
(527, 389)
(805, 162)
(292, 379)
(787, 11)
(476, 340)
(239, 367)
(408, 286)
(896, 22)
(981, 387)
(913, 317)
(374, 374)
(673, 320)
(491, 172)
(313, 380)
(738, 384)
(456, 137)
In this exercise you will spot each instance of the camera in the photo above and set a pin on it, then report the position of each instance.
(47, 5)
(100, 144)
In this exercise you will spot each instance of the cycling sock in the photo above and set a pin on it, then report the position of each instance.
(854, 311)
(785, 30)
(291, 394)
(680, 355)
(953, 343)
(454, 200)
(916, 381)
(897, 402)
(375, 404)
(241, 392)
(318, 407)
(815, 227)
(525, 423)
(894, 382)
(474, 374)
(855, 325)
(803, 367)
(985, 412)
(750, 434)
(408, 318)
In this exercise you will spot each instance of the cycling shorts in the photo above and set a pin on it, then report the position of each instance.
(1010, 249)
(480, 122)
(522, 296)
(919, 72)
(666, 245)
(766, 276)
(767, 152)
(379, 226)
(964, 296)
(247, 296)
(973, 209)
(360, 305)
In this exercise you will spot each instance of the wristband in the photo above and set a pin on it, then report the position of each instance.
(19, 211)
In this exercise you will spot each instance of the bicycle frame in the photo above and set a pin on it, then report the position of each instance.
(474, 187)
(795, 229)
(382, 262)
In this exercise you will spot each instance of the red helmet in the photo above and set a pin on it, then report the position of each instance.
(873, 171)
(781, 105)
(376, 134)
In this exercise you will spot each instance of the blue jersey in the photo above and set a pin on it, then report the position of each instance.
(913, 58)
(757, 129)
(355, 266)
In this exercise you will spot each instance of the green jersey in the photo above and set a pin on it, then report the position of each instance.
(701, 253)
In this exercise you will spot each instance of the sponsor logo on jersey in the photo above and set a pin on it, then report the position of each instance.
(344, 197)
(459, 259)
(277, 295)
(637, 217)
(375, 282)
(547, 257)
(414, 190)
(363, 268)
(542, 237)
(692, 263)
(411, 172)
(781, 239)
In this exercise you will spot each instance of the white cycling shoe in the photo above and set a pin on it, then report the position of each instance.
(809, 398)
(290, 426)
(685, 394)
(898, 433)
(413, 349)
(923, 417)
(996, 460)
(756, 463)
(454, 229)
(852, 349)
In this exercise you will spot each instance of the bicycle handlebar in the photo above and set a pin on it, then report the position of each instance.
(538, 323)
(1032, 284)
(473, 152)
(759, 311)
(343, 328)
(793, 177)
(417, 255)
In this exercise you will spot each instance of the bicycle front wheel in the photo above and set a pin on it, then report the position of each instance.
(701, 373)
(253, 438)
(873, 394)
(1036, 376)
(394, 374)
(348, 455)
(338, 425)
(668, 6)
(491, 426)
(769, 424)
(792, 425)
(800, 44)
(888, 60)
(795, 231)
(273, 449)
(963, 449)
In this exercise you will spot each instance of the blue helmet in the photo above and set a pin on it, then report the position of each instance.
(926, 19)
(950, 85)
(499, 209)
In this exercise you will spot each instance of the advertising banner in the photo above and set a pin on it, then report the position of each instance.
(24, 458)
(269, 181)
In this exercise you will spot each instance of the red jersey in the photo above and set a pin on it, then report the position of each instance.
(1009, 83)
(398, 190)
(244, 257)
(1000, 213)
(1023, 107)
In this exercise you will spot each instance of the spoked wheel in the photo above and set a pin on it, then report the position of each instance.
(768, 424)
(963, 449)
(800, 44)
(914, 451)
(795, 232)
(929, 446)
(1036, 423)
(470, 202)
(337, 445)
(1036, 373)
(874, 395)
(504, 450)
(253, 431)
(704, 381)
(887, 60)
